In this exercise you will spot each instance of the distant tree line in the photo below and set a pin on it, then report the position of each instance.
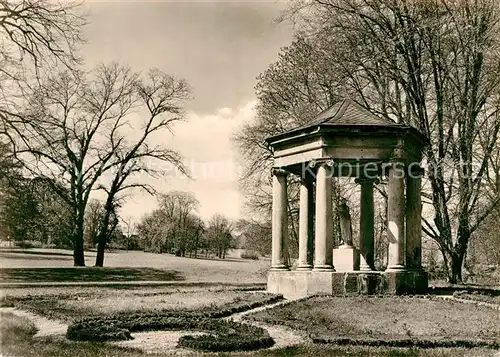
(175, 227)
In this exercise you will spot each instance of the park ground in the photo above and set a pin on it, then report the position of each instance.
(42, 294)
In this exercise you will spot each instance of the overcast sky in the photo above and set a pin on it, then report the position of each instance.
(219, 48)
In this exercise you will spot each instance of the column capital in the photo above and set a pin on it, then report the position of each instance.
(278, 171)
(321, 162)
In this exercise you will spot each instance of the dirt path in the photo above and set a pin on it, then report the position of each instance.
(283, 336)
(44, 326)
(158, 342)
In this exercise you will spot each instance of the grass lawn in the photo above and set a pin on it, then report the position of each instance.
(71, 304)
(16, 339)
(231, 270)
(386, 318)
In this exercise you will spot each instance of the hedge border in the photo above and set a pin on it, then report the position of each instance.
(406, 342)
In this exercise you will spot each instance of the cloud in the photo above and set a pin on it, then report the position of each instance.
(204, 141)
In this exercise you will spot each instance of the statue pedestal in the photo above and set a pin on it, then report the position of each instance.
(346, 258)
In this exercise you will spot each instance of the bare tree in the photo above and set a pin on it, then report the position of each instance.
(37, 35)
(80, 127)
(220, 235)
(40, 27)
(254, 235)
(433, 65)
(181, 207)
(164, 97)
(174, 226)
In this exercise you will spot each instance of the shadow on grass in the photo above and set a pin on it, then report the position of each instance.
(37, 255)
(87, 274)
(30, 257)
(6, 252)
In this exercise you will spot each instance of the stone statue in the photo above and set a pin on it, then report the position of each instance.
(345, 223)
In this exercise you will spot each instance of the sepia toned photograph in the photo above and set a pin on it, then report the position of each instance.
(270, 178)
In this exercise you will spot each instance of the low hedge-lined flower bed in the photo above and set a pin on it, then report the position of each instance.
(77, 305)
(406, 342)
(489, 298)
(229, 336)
(423, 322)
(223, 335)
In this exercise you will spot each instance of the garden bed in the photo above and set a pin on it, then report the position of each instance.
(86, 302)
(16, 339)
(391, 321)
(220, 335)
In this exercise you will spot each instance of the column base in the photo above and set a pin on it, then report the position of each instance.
(324, 268)
(281, 267)
(397, 267)
(303, 267)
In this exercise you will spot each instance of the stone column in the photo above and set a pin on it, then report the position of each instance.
(304, 225)
(396, 217)
(366, 225)
(324, 220)
(279, 220)
(414, 218)
(310, 221)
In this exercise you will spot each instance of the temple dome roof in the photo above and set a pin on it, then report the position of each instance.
(348, 112)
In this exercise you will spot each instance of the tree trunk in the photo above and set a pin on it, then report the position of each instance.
(456, 269)
(453, 263)
(103, 235)
(101, 245)
(78, 251)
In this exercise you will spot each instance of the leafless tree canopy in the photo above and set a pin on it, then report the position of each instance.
(430, 64)
(41, 29)
(37, 36)
(100, 131)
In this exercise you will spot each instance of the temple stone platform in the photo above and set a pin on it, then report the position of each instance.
(297, 284)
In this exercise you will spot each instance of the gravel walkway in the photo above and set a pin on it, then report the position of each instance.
(153, 342)
(283, 336)
(44, 326)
